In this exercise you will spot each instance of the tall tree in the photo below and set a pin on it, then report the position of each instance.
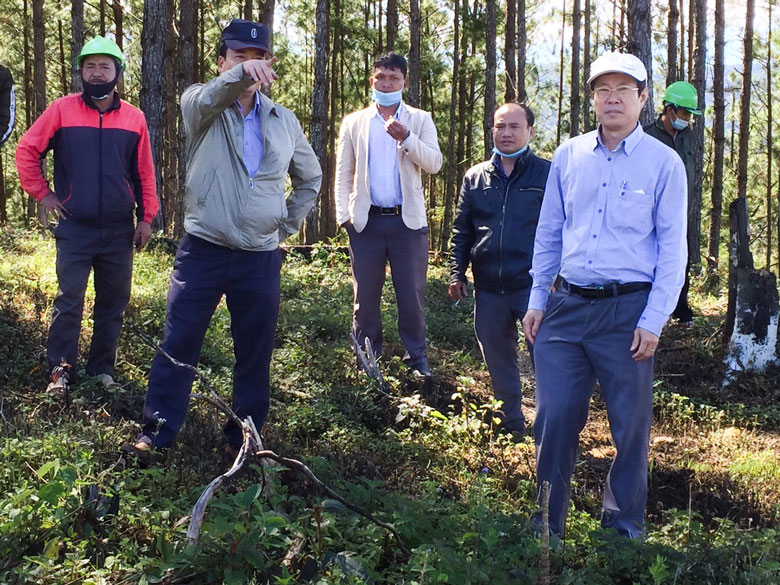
(186, 72)
(414, 53)
(76, 41)
(586, 51)
(522, 41)
(639, 44)
(719, 141)
(490, 76)
(700, 83)
(152, 99)
(744, 115)
(265, 14)
(39, 63)
(683, 61)
(510, 51)
(392, 24)
(451, 185)
(576, 23)
(64, 76)
(319, 109)
(560, 77)
(102, 19)
(119, 27)
(671, 43)
(770, 154)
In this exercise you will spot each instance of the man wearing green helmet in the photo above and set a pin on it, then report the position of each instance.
(672, 128)
(103, 176)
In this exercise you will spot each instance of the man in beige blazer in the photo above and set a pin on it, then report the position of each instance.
(379, 200)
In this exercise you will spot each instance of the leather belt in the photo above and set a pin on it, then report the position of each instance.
(395, 210)
(606, 291)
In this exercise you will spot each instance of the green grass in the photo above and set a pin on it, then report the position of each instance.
(424, 458)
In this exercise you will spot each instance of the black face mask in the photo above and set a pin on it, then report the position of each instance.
(99, 91)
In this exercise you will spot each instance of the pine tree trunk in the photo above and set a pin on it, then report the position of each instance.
(266, 16)
(64, 76)
(39, 73)
(319, 110)
(744, 118)
(522, 41)
(414, 53)
(152, 97)
(490, 76)
(770, 142)
(120, 36)
(682, 69)
(671, 43)
(699, 81)
(510, 51)
(576, 20)
(586, 116)
(185, 76)
(639, 45)
(246, 12)
(561, 61)
(392, 24)
(102, 17)
(451, 186)
(76, 41)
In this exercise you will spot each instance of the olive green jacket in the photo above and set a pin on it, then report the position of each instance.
(222, 203)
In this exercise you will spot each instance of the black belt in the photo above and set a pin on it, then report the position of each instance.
(606, 291)
(395, 210)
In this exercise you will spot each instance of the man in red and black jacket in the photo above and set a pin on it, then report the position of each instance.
(103, 173)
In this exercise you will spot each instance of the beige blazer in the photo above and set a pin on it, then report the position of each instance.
(419, 152)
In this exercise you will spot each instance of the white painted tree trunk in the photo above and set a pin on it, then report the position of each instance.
(753, 344)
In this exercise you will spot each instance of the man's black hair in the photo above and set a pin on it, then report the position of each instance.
(529, 114)
(391, 61)
(223, 49)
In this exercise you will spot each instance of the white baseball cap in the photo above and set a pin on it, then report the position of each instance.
(618, 63)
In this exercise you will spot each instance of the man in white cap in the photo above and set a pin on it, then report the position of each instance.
(612, 231)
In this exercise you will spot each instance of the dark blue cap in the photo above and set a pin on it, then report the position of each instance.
(240, 34)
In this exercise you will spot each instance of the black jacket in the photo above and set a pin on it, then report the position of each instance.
(495, 224)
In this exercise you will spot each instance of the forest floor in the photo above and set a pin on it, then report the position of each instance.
(425, 456)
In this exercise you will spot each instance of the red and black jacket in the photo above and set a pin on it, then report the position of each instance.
(102, 160)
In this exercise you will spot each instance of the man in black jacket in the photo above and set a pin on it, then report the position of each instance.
(7, 104)
(495, 224)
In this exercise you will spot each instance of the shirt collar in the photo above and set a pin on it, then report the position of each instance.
(398, 111)
(629, 143)
(259, 97)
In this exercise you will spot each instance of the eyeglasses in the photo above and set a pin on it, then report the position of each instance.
(622, 92)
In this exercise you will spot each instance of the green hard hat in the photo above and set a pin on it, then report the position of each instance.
(101, 46)
(683, 94)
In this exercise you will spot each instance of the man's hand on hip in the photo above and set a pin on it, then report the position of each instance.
(143, 231)
(397, 130)
(457, 291)
(261, 70)
(643, 345)
(54, 206)
(531, 321)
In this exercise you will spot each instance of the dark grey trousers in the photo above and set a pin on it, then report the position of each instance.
(387, 239)
(495, 324)
(108, 251)
(579, 342)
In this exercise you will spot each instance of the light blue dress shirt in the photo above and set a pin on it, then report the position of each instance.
(614, 216)
(253, 138)
(383, 173)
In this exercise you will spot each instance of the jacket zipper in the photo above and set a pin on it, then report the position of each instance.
(100, 170)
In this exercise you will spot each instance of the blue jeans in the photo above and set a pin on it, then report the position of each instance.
(579, 342)
(202, 273)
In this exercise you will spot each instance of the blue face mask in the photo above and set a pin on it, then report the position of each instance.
(679, 124)
(515, 154)
(388, 99)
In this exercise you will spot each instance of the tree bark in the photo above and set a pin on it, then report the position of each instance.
(246, 12)
(319, 110)
(522, 41)
(770, 142)
(152, 97)
(739, 255)
(510, 51)
(266, 16)
(451, 186)
(671, 43)
(414, 53)
(102, 17)
(76, 41)
(186, 73)
(64, 76)
(586, 117)
(576, 20)
(559, 121)
(490, 76)
(639, 45)
(120, 36)
(392, 24)
(682, 69)
(744, 118)
(699, 81)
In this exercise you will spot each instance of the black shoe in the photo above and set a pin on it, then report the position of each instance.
(140, 450)
(420, 368)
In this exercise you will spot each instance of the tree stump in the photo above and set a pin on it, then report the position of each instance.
(753, 343)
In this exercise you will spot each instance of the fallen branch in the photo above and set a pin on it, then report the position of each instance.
(368, 362)
(253, 445)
